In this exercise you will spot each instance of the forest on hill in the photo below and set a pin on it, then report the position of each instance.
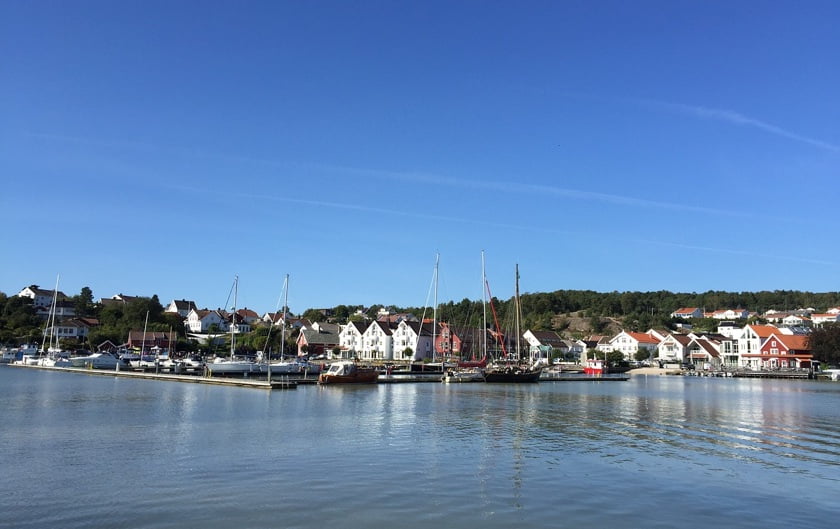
(572, 312)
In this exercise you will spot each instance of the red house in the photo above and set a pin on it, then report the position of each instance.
(784, 351)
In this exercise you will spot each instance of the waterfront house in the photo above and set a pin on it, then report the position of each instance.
(628, 343)
(751, 339)
(350, 338)
(687, 312)
(318, 340)
(415, 336)
(73, 328)
(146, 340)
(673, 348)
(459, 341)
(181, 307)
(378, 342)
(781, 351)
(704, 353)
(542, 345)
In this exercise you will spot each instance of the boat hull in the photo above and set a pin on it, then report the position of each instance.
(361, 377)
(512, 375)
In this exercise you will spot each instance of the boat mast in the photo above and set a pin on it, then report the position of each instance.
(50, 320)
(283, 328)
(233, 316)
(143, 343)
(434, 313)
(483, 307)
(518, 308)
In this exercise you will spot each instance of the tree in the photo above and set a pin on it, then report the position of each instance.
(825, 344)
(642, 354)
(83, 302)
(615, 357)
(407, 352)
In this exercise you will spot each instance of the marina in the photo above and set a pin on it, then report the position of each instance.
(750, 452)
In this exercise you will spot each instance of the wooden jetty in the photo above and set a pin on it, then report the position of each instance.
(276, 383)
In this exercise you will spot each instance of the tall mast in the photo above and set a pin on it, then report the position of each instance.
(518, 308)
(434, 313)
(483, 307)
(233, 317)
(283, 329)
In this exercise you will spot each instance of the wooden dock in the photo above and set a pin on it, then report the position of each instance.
(278, 383)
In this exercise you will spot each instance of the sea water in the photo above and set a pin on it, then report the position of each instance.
(89, 451)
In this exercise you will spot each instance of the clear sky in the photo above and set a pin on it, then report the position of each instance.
(163, 147)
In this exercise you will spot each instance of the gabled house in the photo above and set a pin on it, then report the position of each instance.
(464, 343)
(752, 338)
(248, 316)
(149, 339)
(687, 312)
(378, 342)
(543, 344)
(318, 340)
(730, 314)
(673, 348)
(781, 351)
(39, 296)
(350, 338)
(181, 307)
(201, 321)
(705, 353)
(628, 343)
(415, 336)
(796, 320)
(72, 328)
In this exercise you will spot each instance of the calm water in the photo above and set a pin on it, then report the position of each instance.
(83, 451)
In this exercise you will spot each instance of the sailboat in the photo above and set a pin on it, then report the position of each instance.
(51, 351)
(231, 365)
(285, 367)
(512, 369)
(472, 370)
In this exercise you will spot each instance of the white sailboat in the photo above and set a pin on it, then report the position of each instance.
(50, 351)
(285, 367)
(232, 365)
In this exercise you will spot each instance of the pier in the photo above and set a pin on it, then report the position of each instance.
(276, 383)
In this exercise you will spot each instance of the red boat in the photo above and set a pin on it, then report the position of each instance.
(348, 372)
(594, 366)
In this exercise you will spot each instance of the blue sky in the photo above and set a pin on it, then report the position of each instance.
(164, 147)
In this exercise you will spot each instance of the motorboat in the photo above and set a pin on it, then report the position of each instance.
(459, 375)
(348, 372)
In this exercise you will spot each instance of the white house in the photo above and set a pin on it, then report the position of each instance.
(200, 321)
(731, 314)
(378, 342)
(628, 343)
(752, 338)
(795, 320)
(411, 334)
(688, 312)
(180, 306)
(351, 337)
(821, 319)
(673, 348)
(543, 344)
(39, 296)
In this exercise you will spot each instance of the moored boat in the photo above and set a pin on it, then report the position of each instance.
(594, 366)
(348, 372)
(459, 375)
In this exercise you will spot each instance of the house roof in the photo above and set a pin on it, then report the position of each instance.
(686, 310)
(793, 342)
(763, 331)
(642, 337)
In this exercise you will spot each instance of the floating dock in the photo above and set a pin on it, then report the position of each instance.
(278, 383)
